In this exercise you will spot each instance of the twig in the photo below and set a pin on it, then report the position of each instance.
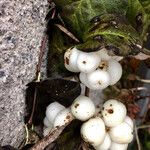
(138, 89)
(63, 29)
(143, 126)
(51, 137)
(137, 138)
(145, 51)
(38, 75)
(142, 80)
(84, 146)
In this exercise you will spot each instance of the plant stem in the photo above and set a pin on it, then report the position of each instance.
(38, 75)
(137, 138)
(51, 137)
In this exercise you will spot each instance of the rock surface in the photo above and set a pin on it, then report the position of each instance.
(21, 29)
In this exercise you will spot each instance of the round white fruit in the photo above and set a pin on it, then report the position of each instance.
(88, 62)
(105, 145)
(122, 133)
(93, 131)
(116, 146)
(63, 117)
(46, 122)
(83, 79)
(103, 53)
(52, 110)
(114, 70)
(83, 108)
(70, 59)
(98, 79)
(129, 121)
(113, 112)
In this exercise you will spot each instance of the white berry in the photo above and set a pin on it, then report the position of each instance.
(83, 79)
(105, 145)
(83, 108)
(88, 62)
(103, 53)
(52, 110)
(129, 121)
(114, 70)
(122, 133)
(113, 112)
(93, 131)
(98, 79)
(116, 146)
(70, 59)
(63, 117)
(46, 122)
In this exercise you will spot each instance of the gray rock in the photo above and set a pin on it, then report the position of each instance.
(21, 30)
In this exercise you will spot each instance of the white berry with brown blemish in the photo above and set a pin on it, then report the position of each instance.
(70, 59)
(52, 110)
(116, 146)
(106, 143)
(88, 62)
(113, 112)
(93, 131)
(83, 108)
(98, 79)
(122, 133)
(63, 117)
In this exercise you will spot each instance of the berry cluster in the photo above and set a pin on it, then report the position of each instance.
(104, 128)
(97, 69)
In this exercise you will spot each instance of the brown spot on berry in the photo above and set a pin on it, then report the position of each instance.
(103, 108)
(103, 65)
(68, 117)
(76, 105)
(67, 60)
(84, 62)
(110, 104)
(99, 82)
(107, 129)
(110, 111)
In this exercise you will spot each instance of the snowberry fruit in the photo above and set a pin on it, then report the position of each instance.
(46, 122)
(98, 79)
(83, 79)
(105, 145)
(88, 62)
(52, 110)
(83, 108)
(114, 70)
(113, 112)
(63, 117)
(103, 53)
(70, 59)
(93, 131)
(47, 130)
(116, 146)
(129, 121)
(122, 133)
